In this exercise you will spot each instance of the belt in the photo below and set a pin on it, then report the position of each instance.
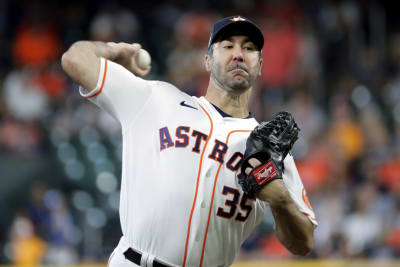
(135, 257)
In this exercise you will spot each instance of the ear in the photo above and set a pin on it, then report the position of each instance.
(207, 62)
(259, 71)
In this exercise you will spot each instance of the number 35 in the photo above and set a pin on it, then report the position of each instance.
(232, 203)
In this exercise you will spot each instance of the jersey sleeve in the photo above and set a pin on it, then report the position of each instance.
(119, 92)
(293, 183)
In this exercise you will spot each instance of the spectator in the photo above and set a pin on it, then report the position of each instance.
(27, 248)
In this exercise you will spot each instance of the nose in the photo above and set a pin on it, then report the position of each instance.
(237, 54)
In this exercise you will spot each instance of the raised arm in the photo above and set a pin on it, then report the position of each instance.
(82, 60)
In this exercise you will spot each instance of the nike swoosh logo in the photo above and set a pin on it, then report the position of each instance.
(186, 105)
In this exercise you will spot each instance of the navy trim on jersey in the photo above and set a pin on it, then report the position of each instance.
(223, 114)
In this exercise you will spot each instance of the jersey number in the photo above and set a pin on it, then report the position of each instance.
(232, 202)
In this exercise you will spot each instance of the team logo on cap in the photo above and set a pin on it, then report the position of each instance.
(237, 19)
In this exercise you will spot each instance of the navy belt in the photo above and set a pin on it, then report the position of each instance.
(135, 257)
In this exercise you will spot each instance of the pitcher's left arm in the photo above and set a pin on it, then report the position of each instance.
(262, 176)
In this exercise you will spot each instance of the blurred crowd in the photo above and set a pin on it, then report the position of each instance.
(334, 64)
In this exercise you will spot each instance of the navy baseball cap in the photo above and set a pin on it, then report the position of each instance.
(237, 25)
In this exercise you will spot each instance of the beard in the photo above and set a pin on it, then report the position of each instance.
(235, 77)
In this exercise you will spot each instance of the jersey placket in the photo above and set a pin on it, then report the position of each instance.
(204, 196)
(209, 181)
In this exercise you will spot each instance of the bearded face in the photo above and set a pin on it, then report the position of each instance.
(235, 63)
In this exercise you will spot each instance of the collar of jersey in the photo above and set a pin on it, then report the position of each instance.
(225, 115)
(218, 112)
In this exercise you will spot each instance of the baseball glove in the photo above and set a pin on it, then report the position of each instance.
(269, 142)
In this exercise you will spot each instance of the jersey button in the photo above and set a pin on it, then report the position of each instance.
(203, 204)
(208, 173)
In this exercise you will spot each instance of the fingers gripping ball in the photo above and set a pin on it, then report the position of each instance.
(269, 142)
(143, 59)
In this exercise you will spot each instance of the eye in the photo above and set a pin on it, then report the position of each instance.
(226, 44)
(249, 47)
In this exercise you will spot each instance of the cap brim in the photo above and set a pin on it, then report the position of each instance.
(240, 28)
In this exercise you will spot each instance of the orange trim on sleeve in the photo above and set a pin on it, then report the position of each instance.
(309, 215)
(102, 82)
(197, 187)
(305, 199)
(212, 196)
(307, 202)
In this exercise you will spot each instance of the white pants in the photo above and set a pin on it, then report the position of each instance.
(117, 258)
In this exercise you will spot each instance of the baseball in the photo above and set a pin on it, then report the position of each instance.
(143, 59)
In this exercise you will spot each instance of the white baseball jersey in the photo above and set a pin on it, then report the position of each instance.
(180, 199)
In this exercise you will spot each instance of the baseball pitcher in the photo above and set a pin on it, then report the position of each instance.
(198, 173)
